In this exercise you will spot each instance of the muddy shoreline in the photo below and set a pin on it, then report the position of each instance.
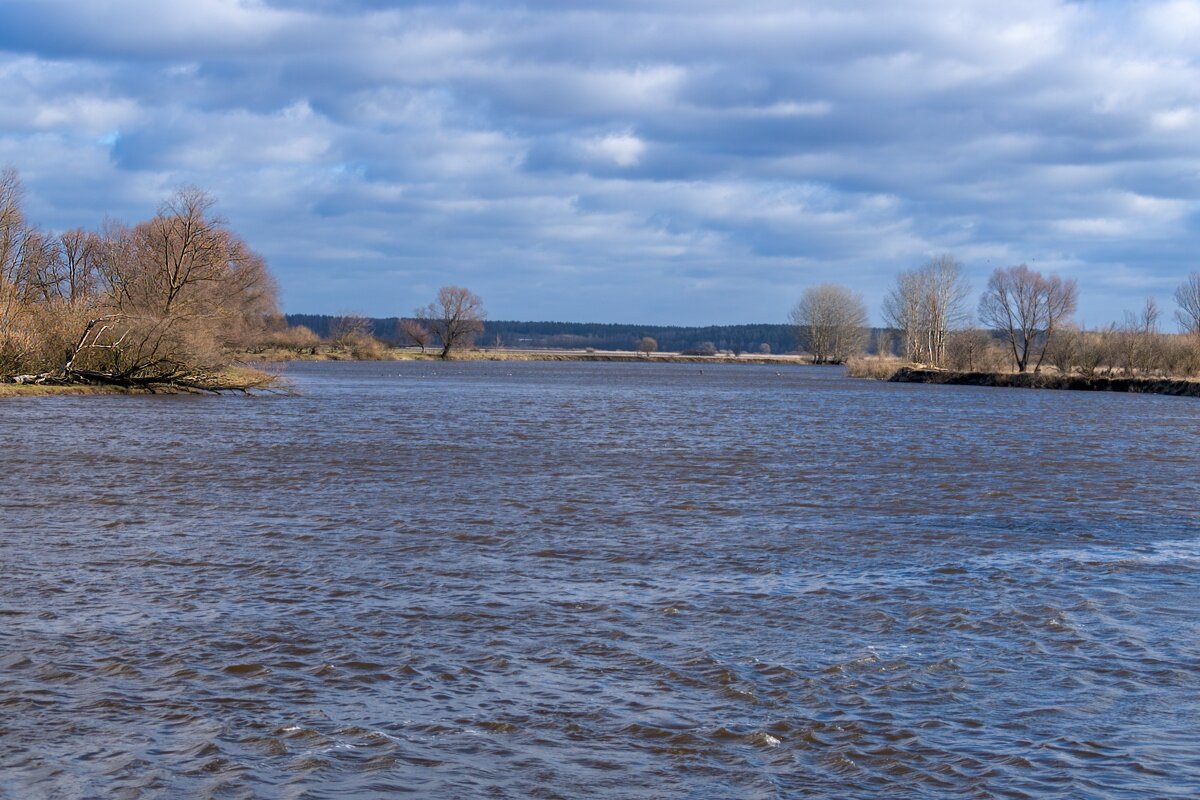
(1029, 380)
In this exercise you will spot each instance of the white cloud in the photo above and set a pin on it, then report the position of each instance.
(622, 149)
(726, 154)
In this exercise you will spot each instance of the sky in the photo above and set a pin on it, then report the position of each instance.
(639, 161)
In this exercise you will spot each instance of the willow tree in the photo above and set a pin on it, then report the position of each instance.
(455, 318)
(1028, 309)
(414, 333)
(831, 323)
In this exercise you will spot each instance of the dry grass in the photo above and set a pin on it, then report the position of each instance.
(33, 390)
(875, 369)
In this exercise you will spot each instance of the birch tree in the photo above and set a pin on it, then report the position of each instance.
(925, 306)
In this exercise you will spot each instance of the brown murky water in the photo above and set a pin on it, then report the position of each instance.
(622, 581)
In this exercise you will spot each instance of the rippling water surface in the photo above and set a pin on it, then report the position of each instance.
(600, 580)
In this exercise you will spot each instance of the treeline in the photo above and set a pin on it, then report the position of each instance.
(162, 302)
(778, 338)
(1023, 321)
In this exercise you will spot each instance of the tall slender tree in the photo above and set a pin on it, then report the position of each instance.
(925, 306)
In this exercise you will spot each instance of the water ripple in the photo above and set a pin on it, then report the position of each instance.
(609, 580)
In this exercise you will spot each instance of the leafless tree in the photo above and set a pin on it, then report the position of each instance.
(925, 306)
(1187, 297)
(348, 328)
(298, 339)
(354, 335)
(180, 291)
(1180, 356)
(972, 351)
(12, 223)
(1135, 346)
(831, 323)
(1028, 308)
(412, 331)
(646, 345)
(1094, 351)
(456, 317)
(79, 265)
(904, 310)
(164, 301)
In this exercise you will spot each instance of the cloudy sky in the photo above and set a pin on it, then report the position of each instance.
(673, 161)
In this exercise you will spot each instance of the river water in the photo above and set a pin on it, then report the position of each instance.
(600, 580)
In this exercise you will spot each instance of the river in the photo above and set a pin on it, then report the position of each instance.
(600, 580)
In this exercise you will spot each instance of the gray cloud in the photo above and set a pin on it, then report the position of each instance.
(656, 161)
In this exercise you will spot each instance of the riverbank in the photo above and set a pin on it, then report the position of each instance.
(490, 354)
(1029, 380)
(234, 379)
(40, 390)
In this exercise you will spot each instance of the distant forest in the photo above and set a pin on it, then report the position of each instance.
(601, 336)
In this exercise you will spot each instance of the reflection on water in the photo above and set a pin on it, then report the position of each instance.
(566, 580)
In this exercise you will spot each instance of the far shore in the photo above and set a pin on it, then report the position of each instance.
(326, 353)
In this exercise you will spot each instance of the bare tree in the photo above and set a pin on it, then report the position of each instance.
(1027, 308)
(163, 301)
(411, 330)
(177, 294)
(348, 328)
(904, 310)
(972, 351)
(12, 223)
(831, 323)
(1135, 345)
(925, 306)
(80, 264)
(455, 318)
(1187, 297)
(646, 345)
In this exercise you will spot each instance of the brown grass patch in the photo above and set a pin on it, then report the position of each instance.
(875, 369)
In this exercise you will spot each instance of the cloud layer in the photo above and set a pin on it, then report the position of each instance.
(677, 161)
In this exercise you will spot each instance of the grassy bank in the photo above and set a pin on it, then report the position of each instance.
(234, 379)
(24, 390)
